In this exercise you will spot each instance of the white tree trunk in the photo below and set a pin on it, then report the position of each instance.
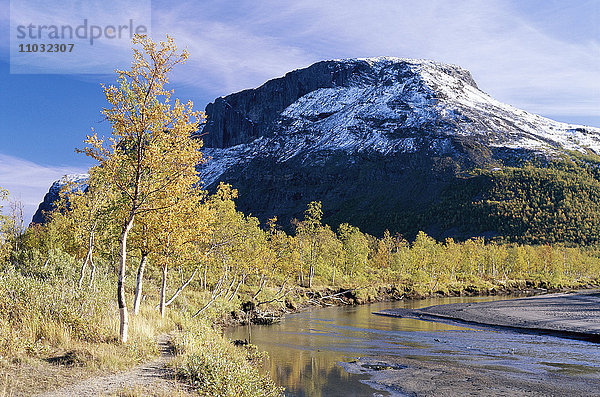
(93, 274)
(91, 254)
(138, 284)
(163, 291)
(181, 288)
(333, 278)
(82, 272)
(88, 258)
(124, 322)
(237, 288)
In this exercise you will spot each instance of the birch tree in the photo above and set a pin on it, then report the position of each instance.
(178, 228)
(309, 231)
(4, 235)
(150, 150)
(86, 212)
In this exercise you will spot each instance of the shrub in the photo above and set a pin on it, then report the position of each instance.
(217, 368)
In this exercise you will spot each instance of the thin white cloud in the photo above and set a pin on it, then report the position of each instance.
(514, 54)
(102, 57)
(226, 57)
(28, 182)
(510, 56)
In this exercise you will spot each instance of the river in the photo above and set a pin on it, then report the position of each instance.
(308, 351)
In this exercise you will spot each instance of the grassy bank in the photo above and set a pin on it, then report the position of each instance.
(54, 333)
(215, 367)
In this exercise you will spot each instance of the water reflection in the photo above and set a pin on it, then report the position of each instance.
(305, 349)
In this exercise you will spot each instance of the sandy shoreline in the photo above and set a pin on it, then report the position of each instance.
(575, 314)
(564, 314)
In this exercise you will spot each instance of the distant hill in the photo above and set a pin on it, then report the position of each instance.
(78, 180)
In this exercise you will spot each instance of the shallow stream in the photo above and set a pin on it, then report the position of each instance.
(308, 351)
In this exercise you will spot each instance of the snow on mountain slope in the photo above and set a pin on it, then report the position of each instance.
(381, 105)
(76, 182)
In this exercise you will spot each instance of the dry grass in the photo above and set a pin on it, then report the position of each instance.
(71, 361)
(53, 334)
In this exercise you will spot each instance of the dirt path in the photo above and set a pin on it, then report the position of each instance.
(151, 376)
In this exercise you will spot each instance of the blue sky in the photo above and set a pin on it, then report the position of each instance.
(542, 56)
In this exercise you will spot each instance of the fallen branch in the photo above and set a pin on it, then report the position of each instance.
(214, 298)
(319, 303)
(335, 296)
(276, 299)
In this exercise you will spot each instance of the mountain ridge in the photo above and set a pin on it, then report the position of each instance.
(398, 144)
(402, 129)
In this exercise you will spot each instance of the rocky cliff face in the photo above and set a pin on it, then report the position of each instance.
(373, 139)
(245, 116)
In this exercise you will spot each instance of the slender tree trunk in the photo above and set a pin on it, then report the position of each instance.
(262, 283)
(180, 289)
(163, 290)
(91, 253)
(313, 259)
(139, 284)
(214, 298)
(301, 270)
(218, 291)
(237, 288)
(88, 258)
(92, 274)
(202, 278)
(311, 270)
(217, 288)
(231, 285)
(82, 272)
(124, 322)
(205, 277)
(333, 278)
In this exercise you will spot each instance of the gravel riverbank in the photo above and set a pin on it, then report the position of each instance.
(573, 314)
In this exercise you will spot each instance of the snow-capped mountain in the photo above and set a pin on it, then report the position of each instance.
(75, 181)
(381, 142)
(355, 132)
